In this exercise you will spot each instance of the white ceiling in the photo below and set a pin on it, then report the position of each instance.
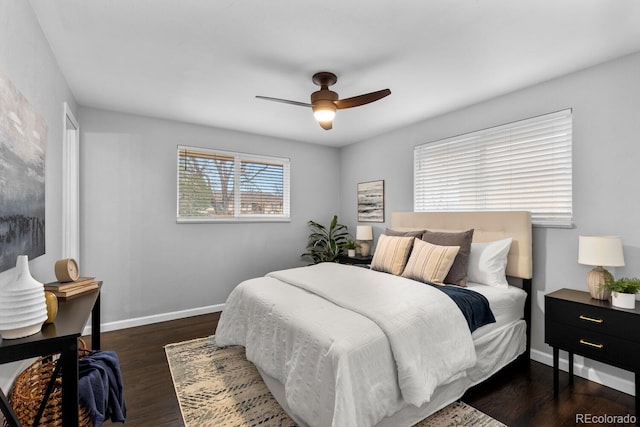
(203, 61)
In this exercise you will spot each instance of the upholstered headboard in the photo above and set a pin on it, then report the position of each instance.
(488, 226)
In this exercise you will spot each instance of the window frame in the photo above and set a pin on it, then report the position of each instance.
(482, 189)
(238, 159)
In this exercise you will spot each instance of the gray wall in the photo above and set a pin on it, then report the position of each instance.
(606, 151)
(27, 61)
(151, 265)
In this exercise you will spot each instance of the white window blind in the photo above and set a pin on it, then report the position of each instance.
(524, 165)
(218, 185)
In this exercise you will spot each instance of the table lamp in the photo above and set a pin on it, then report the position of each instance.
(599, 251)
(364, 233)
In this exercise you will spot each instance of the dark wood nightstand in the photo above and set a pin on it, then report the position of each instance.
(592, 328)
(355, 260)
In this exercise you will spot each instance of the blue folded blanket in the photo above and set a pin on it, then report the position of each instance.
(100, 387)
(473, 305)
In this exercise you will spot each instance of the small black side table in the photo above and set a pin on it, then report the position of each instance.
(58, 337)
(592, 328)
(355, 260)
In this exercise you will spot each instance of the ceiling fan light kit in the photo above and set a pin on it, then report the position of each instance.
(325, 102)
(324, 111)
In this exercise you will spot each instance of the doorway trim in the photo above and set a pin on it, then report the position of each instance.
(70, 186)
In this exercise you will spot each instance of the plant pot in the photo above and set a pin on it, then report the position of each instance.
(622, 300)
(351, 253)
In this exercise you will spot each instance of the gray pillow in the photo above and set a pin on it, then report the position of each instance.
(392, 232)
(458, 273)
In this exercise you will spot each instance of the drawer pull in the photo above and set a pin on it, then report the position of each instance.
(590, 319)
(590, 344)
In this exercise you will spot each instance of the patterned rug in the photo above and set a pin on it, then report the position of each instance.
(217, 386)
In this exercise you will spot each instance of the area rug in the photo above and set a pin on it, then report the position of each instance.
(217, 386)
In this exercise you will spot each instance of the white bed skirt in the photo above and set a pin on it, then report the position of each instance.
(494, 351)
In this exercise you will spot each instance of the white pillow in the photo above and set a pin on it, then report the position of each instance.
(488, 261)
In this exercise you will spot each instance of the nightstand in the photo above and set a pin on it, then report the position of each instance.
(592, 328)
(355, 260)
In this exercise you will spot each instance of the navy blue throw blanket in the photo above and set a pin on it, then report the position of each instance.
(473, 305)
(100, 387)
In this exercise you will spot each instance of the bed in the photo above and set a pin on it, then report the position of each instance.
(343, 345)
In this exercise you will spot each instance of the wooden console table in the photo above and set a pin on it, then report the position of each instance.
(58, 337)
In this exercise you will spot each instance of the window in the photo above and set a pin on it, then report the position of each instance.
(524, 165)
(225, 186)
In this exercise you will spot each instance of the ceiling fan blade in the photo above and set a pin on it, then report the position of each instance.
(285, 101)
(326, 125)
(356, 101)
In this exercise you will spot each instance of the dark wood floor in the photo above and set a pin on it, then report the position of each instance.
(520, 395)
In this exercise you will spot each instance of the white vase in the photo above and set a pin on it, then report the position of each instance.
(23, 308)
(622, 300)
(351, 252)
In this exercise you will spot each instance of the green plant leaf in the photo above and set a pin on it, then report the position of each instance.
(624, 285)
(325, 244)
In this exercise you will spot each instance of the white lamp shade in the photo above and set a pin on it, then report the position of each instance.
(604, 251)
(364, 232)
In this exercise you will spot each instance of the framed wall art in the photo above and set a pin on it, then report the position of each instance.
(371, 201)
(23, 134)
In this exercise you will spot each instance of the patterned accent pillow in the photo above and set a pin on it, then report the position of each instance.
(458, 273)
(430, 263)
(391, 254)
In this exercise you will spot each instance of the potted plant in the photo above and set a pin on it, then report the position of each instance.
(326, 243)
(623, 291)
(351, 247)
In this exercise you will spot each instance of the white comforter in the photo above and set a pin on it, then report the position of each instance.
(350, 345)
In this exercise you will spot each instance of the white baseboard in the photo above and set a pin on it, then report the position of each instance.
(621, 384)
(155, 318)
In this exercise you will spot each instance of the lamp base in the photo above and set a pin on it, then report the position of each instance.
(364, 248)
(595, 283)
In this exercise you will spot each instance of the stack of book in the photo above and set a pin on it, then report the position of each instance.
(68, 289)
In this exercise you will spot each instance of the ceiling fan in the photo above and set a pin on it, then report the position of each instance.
(325, 102)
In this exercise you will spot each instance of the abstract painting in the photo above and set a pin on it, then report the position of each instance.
(23, 135)
(371, 201)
